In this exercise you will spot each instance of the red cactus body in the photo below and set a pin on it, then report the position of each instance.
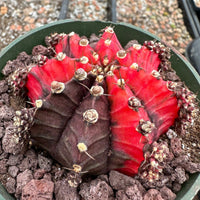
(84, 95)
(125, 119)
(161, 103)
(53, 70)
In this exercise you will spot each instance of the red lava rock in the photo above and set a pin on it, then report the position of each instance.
(7, 123)
(63, 191)
(176, 146)
(96, 190)
(163, 180)
(168, 169)
(8, 69)
(191, 167)
(3, 166)
(3, 86)
(39, 49)
(5, 99)
(153, 194)
(167, 194)
(120, 181)
(180, 160)
(179, 175)
(1, 132)
(103, 177)
(10, 185)
(22, 179)
(44, 163)
(47, 176)
(184, 162)
(176, 187)
(29, 162)
(1, 150)
(39, 173)
(13, 171)
(38, 190)
(15, 159)
(172, 76)
(130, 192)
(6, 113)
(4, 155)
(10, 141)
(59, 173)
(22, 60)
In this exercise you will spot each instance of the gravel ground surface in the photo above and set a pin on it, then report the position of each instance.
(17, 17)
(162, 18)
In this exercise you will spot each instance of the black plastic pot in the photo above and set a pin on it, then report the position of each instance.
(196, 5)
(193, 53)
(125, 33)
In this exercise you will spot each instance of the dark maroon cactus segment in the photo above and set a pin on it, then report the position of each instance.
(86, 137)
(54, 112)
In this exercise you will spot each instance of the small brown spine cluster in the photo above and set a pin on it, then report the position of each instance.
(162, 51)
(80, 74)
(40, 59)
(153, 164)
(134, 103)
(23, 119)
(188, 107)
(54, 39)
(145, 127)
(17, 80)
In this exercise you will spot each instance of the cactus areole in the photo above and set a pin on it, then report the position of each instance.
(97, 105)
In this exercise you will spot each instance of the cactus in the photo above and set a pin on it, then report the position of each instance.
(97, 107)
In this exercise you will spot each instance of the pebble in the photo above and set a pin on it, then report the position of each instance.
(153, 194)
(38, 189)
(10, 185)
(29, 162)
(120, 181)
(44, 163)
(90, 10)
(1, 132)
(64, 191)
(131, 192)
(96, 189)
(14, 159)
(22, 179)
(3, 166)
(17, 17)
(13, 171)
(166, 193)
(10, 142)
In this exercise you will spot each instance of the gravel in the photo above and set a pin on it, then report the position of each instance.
(87, 10)
(17, 17)
(162, 18)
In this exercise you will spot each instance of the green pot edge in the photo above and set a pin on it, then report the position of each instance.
(188, 191)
